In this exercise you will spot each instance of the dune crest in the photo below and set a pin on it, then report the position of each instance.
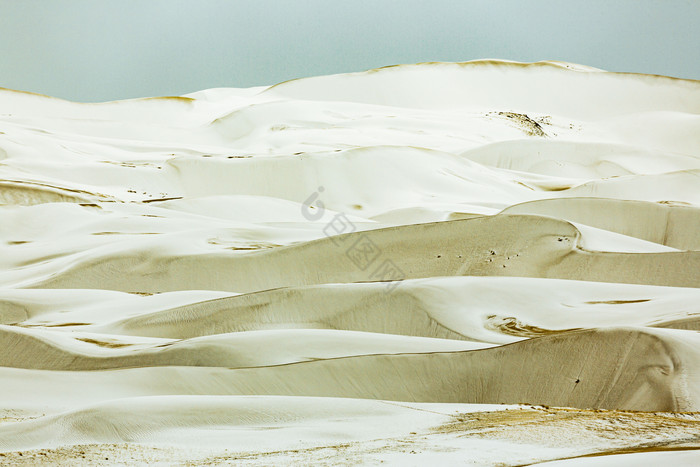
(486, 262)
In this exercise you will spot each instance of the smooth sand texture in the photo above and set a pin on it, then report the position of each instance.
(667, 224)
(379, 267)
(498, 246)
(649, 370)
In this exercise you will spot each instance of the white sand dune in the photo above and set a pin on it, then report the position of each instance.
(56, 351)
(534, 87)
(579, 159)
(504, 245)
(648, 370)
(355, 269)
(143, 421)
(667, 187)
(303, 430)
(681, 457)
(669, 224)
(468, 308)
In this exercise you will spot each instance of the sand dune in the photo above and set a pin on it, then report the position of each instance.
(24, 193)
(143, 420)
(665, 223)
(511, 245)
(521, 86)
(304, 430)
(463, 308)
(669, 187)
(52, 351)
(354, 269)
(649, 370)
(579, 159)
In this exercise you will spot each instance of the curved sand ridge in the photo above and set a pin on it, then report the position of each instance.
(579, 159)
(504, 245)
(350, 262)
(469, 308)
(648, 370)
(23, 193)
(669, 224)
(32, 350)
(539, 87)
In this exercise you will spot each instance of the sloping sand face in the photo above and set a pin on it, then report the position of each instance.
(412, 264)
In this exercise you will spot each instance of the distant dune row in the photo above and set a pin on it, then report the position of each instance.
(379, 249)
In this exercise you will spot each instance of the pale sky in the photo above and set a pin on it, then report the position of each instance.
(98, 50)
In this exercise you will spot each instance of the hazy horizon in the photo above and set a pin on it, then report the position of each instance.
(94, 51)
